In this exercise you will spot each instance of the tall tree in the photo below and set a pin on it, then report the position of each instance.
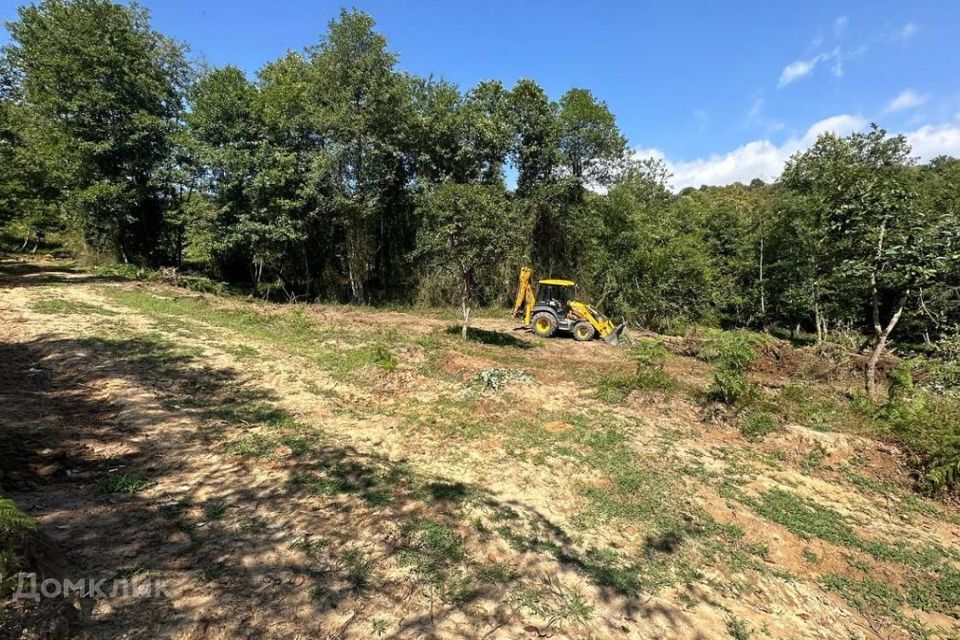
(591, 146)
(534, 129)
(464, 138)
(225, 133)
(364, 114)
(103, 90)
(862, 188)
(467, 229)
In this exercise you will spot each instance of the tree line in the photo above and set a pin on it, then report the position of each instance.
(334, 175)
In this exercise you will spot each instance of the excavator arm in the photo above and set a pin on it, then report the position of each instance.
(525, 295)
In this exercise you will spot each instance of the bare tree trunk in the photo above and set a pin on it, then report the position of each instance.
(465, 309)
(466, 280)
(818, 320)
(878, 349)
(763, 299)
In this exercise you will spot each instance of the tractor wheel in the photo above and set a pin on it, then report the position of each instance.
(544, 324)
(583, 331)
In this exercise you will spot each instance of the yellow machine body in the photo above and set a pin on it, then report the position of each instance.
(553, 307)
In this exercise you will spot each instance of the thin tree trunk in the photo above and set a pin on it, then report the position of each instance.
(465, 288)
(878, 349)
(763, 300)
(818, 321)
(465, 309)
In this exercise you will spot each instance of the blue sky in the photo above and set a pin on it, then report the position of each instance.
(721, 91)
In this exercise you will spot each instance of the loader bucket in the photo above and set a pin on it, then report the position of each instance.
(613, 338)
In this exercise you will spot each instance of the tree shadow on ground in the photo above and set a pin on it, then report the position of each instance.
(258, 524)
(14, 273)
(490, 337)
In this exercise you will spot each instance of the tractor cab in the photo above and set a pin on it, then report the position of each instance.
(556, 294)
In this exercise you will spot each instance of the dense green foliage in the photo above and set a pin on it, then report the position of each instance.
(94, 96)
(14, 527)
(333, 175)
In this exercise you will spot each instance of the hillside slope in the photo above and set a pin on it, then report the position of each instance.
(344, 472)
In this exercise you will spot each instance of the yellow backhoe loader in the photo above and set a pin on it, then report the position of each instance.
(554, 307)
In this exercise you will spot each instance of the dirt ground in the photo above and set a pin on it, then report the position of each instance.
(344, 472)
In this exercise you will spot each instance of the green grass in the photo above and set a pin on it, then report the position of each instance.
(123, 483)
(339, 351)
(757, 425)
(432, 550)
(649, 375)
(214, 509)
(66, 306)
(867, 595)
(939, 592)
(357, 568)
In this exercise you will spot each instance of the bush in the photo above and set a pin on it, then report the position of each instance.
(731, 354)
(944, 368)
(928, 426)
(650, 358)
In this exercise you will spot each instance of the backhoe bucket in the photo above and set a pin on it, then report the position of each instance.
(613, 338)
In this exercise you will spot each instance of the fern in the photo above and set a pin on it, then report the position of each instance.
(944, 475)
(14, 525)
(13, 522)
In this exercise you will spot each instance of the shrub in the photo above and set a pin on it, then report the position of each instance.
(498, 378)
(944, 368)
(927, 424)
(731, 354)
(649, 374)
(650, 358)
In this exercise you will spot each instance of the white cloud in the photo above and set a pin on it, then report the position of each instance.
(765, 159)
(930, 141)
(906, 100)
(909, 30)
(797, 69)
(800, 68)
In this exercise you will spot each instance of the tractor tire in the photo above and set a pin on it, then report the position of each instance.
(583, 331)
(544, 324)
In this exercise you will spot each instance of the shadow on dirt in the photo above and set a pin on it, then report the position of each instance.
(490, 337)
(14, 273)
(146, 463)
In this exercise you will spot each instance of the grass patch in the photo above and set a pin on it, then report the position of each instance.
(757, 425)
(338, 351)
(868, 596)
(123, 483)
(14, 527)
(214, 509)
(357, 568)
(66, 306)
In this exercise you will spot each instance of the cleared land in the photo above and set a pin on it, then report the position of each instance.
(343, 472)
